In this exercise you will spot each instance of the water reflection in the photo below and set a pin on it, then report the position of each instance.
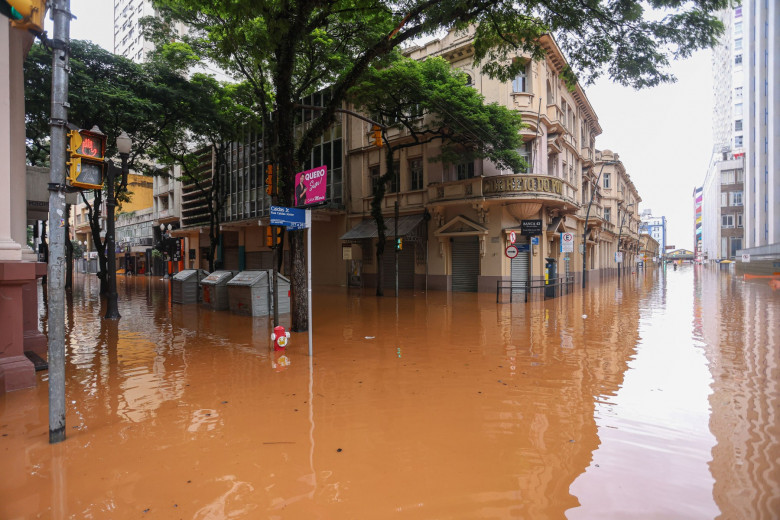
(435, 405)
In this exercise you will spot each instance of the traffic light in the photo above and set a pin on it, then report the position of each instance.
(399, 244)
(25, 14)
(376, 135)
(86, 161)
(269, 237)
(269, 179)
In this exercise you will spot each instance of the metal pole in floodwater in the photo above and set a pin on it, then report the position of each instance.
(308, 269)
(56, 270)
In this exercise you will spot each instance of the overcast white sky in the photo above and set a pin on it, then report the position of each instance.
(663, 134)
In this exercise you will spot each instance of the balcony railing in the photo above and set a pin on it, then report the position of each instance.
(505, 186)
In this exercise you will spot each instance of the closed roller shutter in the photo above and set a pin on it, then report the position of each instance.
(465, 264)
(520, 269)
(230, 255)
(405, 266)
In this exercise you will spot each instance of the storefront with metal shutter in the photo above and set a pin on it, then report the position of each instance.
(520, 265)
(465, 264)
(405, 266)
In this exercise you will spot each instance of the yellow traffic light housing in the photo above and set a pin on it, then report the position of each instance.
(87, 150)
(25, 14)
(269, 179)
(269, 237)
(376, 135)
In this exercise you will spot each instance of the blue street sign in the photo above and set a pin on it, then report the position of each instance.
(535, 241)
(291, 218)
(523, 248)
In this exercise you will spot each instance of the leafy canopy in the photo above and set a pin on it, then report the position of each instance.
(401, 93)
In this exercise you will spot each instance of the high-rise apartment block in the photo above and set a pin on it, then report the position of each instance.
(761, 21)
(741, 191)
(128, 36)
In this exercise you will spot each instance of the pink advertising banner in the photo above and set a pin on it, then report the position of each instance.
(311, 186)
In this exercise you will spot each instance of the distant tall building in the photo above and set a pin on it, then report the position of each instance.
(728, 85)
(721, 208)
(128, 36)
(655, 227)
(762, 123)
(697, 222)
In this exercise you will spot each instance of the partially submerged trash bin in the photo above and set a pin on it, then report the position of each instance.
(185, 286)
(214, 291)
(250, 294)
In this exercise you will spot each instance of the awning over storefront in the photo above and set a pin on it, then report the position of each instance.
(367, 228)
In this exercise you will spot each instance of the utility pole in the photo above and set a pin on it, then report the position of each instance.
(56, 269)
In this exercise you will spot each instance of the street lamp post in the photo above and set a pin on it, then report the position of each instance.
(587, 217)
(123, 145)
(620, 232)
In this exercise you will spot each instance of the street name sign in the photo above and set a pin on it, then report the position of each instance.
(291, 218)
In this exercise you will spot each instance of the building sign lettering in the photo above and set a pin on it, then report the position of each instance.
(522, 183)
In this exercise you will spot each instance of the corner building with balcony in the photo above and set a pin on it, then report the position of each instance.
(456, 219)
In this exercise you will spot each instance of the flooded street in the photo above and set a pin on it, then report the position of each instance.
(657, 398)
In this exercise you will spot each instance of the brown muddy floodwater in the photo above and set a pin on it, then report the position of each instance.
(661, 402)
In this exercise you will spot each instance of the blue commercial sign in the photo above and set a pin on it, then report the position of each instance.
(291, 218)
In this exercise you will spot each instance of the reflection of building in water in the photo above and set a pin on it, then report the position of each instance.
(743, 355)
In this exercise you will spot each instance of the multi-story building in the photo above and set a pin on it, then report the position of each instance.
(620, 211)
(129, 40)
(761, 22)
(728, 62)
(655, 227)
(455, 219)
(722, 210)
(698, 221)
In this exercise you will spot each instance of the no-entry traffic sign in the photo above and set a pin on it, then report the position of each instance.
(511, 251)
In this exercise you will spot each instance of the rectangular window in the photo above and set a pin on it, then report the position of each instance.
(738, 59)
(739, 220)
(416, 173)
(736, 198)
(724, 199)
(392, 185)
(727, 177)
(727, 221)
(738, 44)
(608, 214)
(740, 175)
(738, 141)
(738, 125)
(738, 109)
(520, 83)
(738, 93)
(525, 153)
(607, 183)
(465, 170)
(738, 28)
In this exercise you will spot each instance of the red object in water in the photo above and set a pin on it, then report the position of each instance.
(279, 337)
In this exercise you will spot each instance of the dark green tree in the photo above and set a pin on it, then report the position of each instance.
(433, 102)
(292, 48)
(209, 114)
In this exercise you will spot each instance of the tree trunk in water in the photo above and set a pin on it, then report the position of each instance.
(298, 282)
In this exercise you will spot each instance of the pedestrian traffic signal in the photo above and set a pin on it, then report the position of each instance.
(269, 179)
(376, 135)
(399, 244)
(86, 161)
(25, 14)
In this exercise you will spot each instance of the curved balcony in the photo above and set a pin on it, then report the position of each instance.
(519, 188)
